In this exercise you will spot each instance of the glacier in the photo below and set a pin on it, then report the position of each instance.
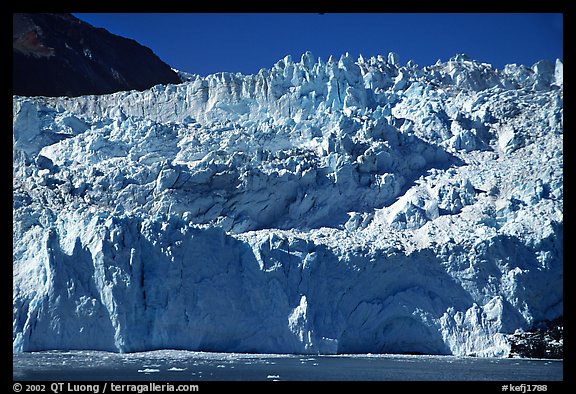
(339, 206)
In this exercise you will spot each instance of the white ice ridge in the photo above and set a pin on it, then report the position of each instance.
(317, 207)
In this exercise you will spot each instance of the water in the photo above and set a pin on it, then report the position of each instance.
(176, 365)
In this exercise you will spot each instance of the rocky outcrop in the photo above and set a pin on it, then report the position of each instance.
(545, 341)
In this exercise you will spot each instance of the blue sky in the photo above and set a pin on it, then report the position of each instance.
(207, 43)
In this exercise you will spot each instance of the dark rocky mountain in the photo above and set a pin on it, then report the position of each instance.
(60, 55)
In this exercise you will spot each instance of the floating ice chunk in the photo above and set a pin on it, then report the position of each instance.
(176, 369)
(148, 370)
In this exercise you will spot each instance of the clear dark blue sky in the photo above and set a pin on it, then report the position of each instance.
(208, 43)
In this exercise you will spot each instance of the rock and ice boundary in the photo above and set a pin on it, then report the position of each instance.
(317, 207)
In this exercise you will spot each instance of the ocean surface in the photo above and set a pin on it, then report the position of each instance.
(177, 365)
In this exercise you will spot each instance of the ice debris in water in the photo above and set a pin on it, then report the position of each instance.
(334, 206)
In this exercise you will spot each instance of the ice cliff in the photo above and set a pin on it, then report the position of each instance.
(318, 206)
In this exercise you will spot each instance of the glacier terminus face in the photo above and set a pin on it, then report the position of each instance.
(340, 206)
